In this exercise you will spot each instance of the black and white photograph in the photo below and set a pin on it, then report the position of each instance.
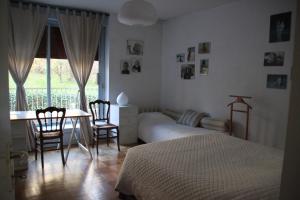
(204, 47)
(274, 59)
(277, 81)
(188, 71)
(135, 47)
(191, 54)
(280, 27)
(125, 67)
(180, 58)
(136, 65)
(204, 66)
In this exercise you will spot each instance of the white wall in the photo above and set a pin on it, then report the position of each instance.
(239, 33)
(5, 171)
(143, 89)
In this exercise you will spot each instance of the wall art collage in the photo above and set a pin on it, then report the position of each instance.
(280, 31)
(133, 64)
(187, 60)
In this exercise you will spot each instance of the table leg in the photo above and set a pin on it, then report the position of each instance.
(64, 124)
(86, 144)
(74, 123)
(73, 134)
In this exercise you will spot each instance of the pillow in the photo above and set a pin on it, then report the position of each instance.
(214, 124)
(190, 118)
(172, 114)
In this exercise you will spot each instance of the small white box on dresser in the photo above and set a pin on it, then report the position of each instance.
(126, 118)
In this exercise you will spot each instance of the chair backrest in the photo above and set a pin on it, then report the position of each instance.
(100, 110)
(50, 119)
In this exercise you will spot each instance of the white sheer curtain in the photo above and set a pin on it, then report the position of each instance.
(26, 27)
(80, 34)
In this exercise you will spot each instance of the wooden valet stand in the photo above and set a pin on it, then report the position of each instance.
(240, 100)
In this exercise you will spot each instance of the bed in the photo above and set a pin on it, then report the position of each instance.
(211, 166)
(156, 126)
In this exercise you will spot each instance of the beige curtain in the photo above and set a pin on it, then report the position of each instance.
(26, 27)
(80, 34)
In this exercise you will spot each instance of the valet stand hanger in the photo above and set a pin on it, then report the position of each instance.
(240, 100)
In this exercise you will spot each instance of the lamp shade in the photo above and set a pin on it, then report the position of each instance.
(122, 99)
(137, 12)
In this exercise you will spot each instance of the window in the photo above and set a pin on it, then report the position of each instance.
(64, 89)
(50, 81)
(91, 88)
(36, 84)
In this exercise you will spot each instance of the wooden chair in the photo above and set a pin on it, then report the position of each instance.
(50, 128)
(100, 112)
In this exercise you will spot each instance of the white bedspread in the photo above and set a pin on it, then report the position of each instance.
(155, 126)
(206, 167)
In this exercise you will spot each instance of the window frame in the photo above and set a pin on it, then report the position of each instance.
(101, 76)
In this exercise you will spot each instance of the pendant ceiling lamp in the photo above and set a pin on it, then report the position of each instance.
(137, 12)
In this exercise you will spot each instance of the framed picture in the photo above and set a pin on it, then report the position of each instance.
(191, 54)
(277, 81)
(188, 71)
(204, 66)
(204, 47)
(135, 47)
(125, 67)
(274, 58)
(136, 65)
(180, 58)
(280, 27)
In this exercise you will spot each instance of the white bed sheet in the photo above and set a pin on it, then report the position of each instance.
(207, 167)
(155, 127)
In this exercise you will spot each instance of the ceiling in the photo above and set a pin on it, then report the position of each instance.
(166, 9)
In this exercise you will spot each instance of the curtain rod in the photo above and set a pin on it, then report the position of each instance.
(63, 8)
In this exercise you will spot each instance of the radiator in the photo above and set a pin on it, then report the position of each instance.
(149, 109)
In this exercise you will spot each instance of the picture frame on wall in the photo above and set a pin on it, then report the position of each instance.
(204, 66)
(180, 57)
(135, 47)
(136, 65)
(204, 47)
(191, 54)
(277, 81)
(280, 27)
(188, 71)
(125, 67)
(274, 59)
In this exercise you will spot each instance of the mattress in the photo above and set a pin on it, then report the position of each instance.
(155, 127)
(206, 167)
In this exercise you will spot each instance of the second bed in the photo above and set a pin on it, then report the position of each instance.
(156, 126)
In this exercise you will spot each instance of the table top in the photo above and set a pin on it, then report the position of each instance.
(30, 115)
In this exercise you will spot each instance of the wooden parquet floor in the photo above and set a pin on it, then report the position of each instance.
(81, 178)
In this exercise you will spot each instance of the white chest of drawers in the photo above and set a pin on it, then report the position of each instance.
(126, 118)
